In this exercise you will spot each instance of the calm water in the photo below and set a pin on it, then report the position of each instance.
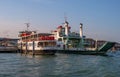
(60, 65)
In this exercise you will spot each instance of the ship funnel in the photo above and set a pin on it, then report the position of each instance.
(81, 36)
(81, 30)
(66, 28)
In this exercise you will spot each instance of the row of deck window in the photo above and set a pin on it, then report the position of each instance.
(39, 44)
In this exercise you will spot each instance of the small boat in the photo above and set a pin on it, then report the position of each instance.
(73, 43)
(34, 43)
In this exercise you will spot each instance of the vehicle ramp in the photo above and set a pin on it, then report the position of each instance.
(106, 46)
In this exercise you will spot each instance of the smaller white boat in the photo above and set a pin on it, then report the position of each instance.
(34, 43)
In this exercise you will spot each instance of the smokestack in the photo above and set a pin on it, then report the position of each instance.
(66, 28)
(81, 36)
(81, 30)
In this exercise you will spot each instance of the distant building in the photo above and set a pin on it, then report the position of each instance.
(100, 42)
(8, 42)
(116, 47)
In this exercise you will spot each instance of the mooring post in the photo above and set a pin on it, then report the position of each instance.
(21, 48)
(33, 52)
(26, 51)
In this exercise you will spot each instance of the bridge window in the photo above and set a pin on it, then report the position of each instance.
(40, 44)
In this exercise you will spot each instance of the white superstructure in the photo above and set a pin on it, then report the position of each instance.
(67, 40)
(37, 43)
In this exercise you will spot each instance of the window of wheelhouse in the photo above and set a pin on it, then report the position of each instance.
(40, 44)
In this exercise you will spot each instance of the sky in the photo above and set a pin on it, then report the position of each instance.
(100, 18)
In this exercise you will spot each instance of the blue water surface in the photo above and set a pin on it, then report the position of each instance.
(60, 65)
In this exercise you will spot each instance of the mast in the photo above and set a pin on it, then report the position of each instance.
(27, 26)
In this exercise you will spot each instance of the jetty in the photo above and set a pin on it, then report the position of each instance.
(8, 45)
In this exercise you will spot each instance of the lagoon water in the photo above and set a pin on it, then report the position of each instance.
(60, 65)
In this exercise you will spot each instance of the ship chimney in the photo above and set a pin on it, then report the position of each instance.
(66, 28)
(81, 30)
(81, 35)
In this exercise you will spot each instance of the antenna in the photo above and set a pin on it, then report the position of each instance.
(65, 17)
(27, 25)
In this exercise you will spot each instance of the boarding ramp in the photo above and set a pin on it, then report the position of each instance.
(106, 46)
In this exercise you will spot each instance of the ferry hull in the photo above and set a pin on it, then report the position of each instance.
(39, 52)
(101, 51)
(84, 52)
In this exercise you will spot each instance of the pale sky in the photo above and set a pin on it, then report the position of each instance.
(101, 18)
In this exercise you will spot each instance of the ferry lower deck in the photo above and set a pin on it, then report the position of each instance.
(39, 52)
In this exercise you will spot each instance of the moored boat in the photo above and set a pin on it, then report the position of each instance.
(73, 42)
(34, 43)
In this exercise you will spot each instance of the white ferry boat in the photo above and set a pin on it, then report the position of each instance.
(73, 42)
(34, 43)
